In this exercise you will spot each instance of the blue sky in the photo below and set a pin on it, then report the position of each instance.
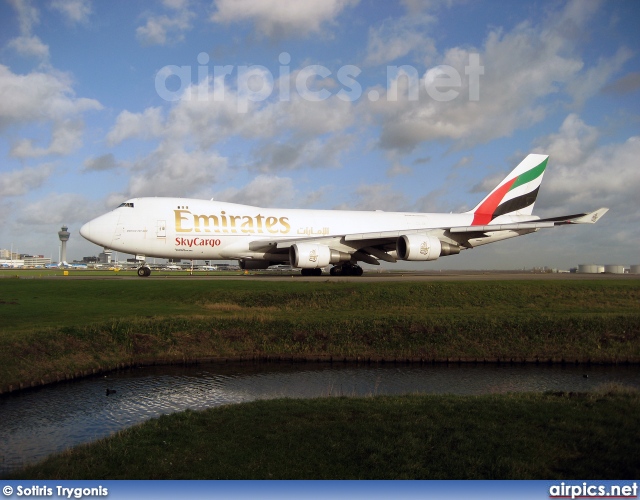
(285, 103)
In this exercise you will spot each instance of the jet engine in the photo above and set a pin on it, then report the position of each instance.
(311, 256)
(423, 247)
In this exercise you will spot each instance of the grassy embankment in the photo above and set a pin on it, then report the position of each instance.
(516, 436)
(54, 328)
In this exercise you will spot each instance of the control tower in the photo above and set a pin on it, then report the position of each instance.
(64, 237)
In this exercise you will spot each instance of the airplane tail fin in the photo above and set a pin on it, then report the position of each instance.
(516, 194)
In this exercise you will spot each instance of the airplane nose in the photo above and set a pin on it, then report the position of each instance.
(85, 231)
(100, 230)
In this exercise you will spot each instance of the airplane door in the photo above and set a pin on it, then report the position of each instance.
(161, 229)
(118, 234)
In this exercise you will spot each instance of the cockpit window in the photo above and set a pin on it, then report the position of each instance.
(129, 204)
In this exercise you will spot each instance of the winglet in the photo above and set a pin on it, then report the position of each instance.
(590, 218)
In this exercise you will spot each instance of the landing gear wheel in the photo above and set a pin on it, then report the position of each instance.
(346, 269)
(144, 271)
(311, 272)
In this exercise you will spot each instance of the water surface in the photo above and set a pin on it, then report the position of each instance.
(38, 422)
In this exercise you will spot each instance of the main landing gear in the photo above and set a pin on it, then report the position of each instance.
(144, 271)
(346, 269)
(311, 272)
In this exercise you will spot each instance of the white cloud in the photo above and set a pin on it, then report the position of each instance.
(297, 123)
(19, 182)
(572, 143)
(281, 18)
(167, 28)
(42, 98)
(586, 176)
(76, 11)
(28, 16)
(172, 171)
(66, 137)
(100, 163)
(521, 69)
(596, 77)
(263, 191)
(377, 197)
(145, 125)
(29, 46)
(38, 97)
(395, 38)
(162, 30)
(56, 208)
(292, 155)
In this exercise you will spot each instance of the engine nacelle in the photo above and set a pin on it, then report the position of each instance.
(255, 264)
(418, 247)
(311, 256)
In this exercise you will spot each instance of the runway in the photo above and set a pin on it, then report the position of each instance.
(366, 277)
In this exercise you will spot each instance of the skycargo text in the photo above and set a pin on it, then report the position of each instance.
(197, 242)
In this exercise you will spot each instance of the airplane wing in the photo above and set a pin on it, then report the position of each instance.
(371, 247)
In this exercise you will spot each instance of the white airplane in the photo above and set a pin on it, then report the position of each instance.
(312, 239)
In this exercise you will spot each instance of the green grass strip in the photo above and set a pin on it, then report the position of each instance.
(516, 436)
(53, 329)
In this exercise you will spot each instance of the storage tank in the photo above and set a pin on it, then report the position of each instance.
(588, 268)
(635, 269)
(614, 269)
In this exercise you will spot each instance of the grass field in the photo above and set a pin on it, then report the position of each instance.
(53, 328)
(516, 436)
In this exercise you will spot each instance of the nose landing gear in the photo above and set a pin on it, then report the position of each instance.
(144, 271)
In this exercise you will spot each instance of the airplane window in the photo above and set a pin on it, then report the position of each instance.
(130, 205)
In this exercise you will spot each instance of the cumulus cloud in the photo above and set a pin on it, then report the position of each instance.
(584, 175)
(281, 18)
(625, 85)
(377, 197)
(315, 153)
(574, 141)
(165, 29)
(56, 208)
(283, 134)
(174, 171)
(145, 125)
(100, 163)
(30, 46)
(516, 71)
(395, 38)
(19, 182)
(42, 98)
(596, 77)
(263, 191)
(76, 11)
(28, 15)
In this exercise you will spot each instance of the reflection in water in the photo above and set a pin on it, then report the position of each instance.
(38, 422)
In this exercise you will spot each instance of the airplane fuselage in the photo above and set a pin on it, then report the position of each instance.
(211, 230)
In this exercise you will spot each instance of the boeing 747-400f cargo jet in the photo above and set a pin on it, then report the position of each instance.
(312, 239)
